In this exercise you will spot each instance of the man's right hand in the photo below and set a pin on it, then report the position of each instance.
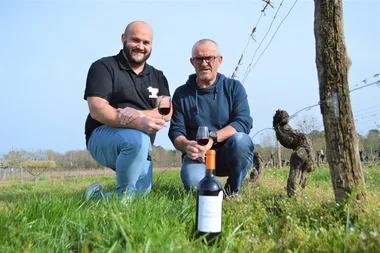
(127, 115)
(195, 151)
(150, 125)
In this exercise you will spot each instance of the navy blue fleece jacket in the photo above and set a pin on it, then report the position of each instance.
(221, 104)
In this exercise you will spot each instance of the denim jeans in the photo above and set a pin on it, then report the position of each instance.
(126, 151)
(233, 159)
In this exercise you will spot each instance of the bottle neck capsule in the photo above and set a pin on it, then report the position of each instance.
(210, 159)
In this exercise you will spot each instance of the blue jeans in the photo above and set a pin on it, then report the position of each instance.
(233, 159)
(125, 151)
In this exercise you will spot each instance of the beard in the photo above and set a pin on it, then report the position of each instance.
(205, 76)
(135, 60)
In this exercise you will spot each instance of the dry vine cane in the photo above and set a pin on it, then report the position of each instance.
(258, 172)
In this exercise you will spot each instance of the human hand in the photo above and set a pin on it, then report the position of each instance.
(150, 125)
(202, 156)
(209, 144)
(127, 115)
(194, 151)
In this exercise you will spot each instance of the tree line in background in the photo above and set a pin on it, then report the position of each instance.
(80, 159)
(163, 158)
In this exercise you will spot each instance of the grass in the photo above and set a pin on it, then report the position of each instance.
(51, 216)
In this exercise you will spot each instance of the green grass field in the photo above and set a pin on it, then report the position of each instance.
(52, 216)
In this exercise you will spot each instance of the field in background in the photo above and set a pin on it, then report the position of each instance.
(51, 216)
(20, 174)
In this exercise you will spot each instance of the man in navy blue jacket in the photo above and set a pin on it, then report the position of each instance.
(210, 99)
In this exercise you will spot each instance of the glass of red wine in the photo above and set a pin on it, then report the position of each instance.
(164, 105)
(202, 137)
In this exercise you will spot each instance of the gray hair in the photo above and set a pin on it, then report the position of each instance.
(204, 41)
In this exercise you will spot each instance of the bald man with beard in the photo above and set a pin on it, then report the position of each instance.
(121, 93)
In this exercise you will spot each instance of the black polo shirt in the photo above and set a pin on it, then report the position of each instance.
(111, 78)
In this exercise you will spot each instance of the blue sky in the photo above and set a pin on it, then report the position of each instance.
(48, 46)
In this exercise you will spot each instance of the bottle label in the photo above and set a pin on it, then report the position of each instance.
(210, 213)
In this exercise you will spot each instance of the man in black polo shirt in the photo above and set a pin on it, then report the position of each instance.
(121, 92)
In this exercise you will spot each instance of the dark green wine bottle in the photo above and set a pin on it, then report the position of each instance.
(209, 202)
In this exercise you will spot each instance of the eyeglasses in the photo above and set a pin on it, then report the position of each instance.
(208, 59)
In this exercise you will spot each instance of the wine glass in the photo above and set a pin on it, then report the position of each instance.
(164, 105)
(202, 137)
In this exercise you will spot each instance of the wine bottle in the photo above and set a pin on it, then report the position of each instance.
(209, 202)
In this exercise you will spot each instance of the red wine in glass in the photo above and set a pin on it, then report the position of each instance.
(164, 110)
(163, 105)
(203, 142)
(202, 137)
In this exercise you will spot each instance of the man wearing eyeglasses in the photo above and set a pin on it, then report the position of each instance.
(210, 99)
(121, 93)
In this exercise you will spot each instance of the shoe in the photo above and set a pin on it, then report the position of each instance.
(234, 195)
(94, 190)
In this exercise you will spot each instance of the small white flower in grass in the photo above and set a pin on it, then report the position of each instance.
(270, 230)
(363, 236)
(374, 233)
(253, 240)
(352, 229)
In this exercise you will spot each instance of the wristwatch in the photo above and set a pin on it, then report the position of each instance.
(214, 136)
